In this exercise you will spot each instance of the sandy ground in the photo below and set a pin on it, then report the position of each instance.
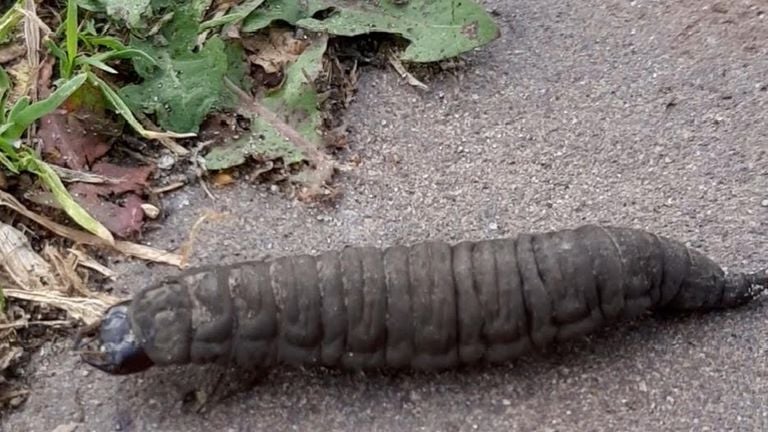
(644, 113)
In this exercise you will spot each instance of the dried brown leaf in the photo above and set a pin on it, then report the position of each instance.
(87, 309)
(78, 134)
(66, 269)
(72, 176)
(409, 78)
(11, 52)
(83, 259)
(38, 280)
(130, 179)
(9, 354)
(82, 237)
(222, 179)
(24, 266)
(274, 52)
(122, 216)
(21, 74)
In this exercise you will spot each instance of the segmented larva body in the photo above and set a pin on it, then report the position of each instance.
(427, 306)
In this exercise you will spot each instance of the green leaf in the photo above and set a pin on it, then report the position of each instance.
(238, 13)
(264, 142)
(60, 55)
(21, 103)
(98, 64)
(142, 15)
(185, 85)
(8, 164)
(72, 35)
(124, 53)
(52, 181)
(122, 108)
(436, 29)
(237, 72)
(132, 12)
(23, 118)
(10, 19)
(8, 155)
(296, 102)
(5, 89)
(105, 41)
(275, 10)
(91, 5)
(183, 90)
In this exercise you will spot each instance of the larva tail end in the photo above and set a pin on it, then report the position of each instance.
(743, 288)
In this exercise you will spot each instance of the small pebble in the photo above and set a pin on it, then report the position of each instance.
(165, 162)
(150, 211)
(493, 226)
(764, 203)
(506, 402)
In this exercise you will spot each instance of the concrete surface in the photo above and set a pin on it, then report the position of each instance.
(643, 113)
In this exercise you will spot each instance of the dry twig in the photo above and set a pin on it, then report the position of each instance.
(323, 167)
(125, 247)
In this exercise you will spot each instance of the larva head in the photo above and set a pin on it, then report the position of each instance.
(119, 351)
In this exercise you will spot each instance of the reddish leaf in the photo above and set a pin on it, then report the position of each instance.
(66, 141)
(132, 179)
(123, 217)
(77, 134)
(116, 205)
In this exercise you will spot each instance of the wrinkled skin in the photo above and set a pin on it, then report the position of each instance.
(427, 306)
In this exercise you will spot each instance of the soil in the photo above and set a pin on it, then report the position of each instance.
(642, 113)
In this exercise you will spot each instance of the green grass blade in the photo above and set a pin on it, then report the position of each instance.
(72, 34)
(23, 119)
(238, 13)
(52, 181)
(8, 164)
(98, 64)
(122, 54)
(10, 19)
(105, 41)
(5, 89)
(19, 106)
(6, 153)
(123, 110)
(60, 54)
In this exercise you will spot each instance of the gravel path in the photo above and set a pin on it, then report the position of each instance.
(644, 113)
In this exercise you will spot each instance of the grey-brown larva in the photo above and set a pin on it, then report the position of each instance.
(426, 306)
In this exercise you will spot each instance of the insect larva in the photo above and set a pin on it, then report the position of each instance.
(427, 306)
